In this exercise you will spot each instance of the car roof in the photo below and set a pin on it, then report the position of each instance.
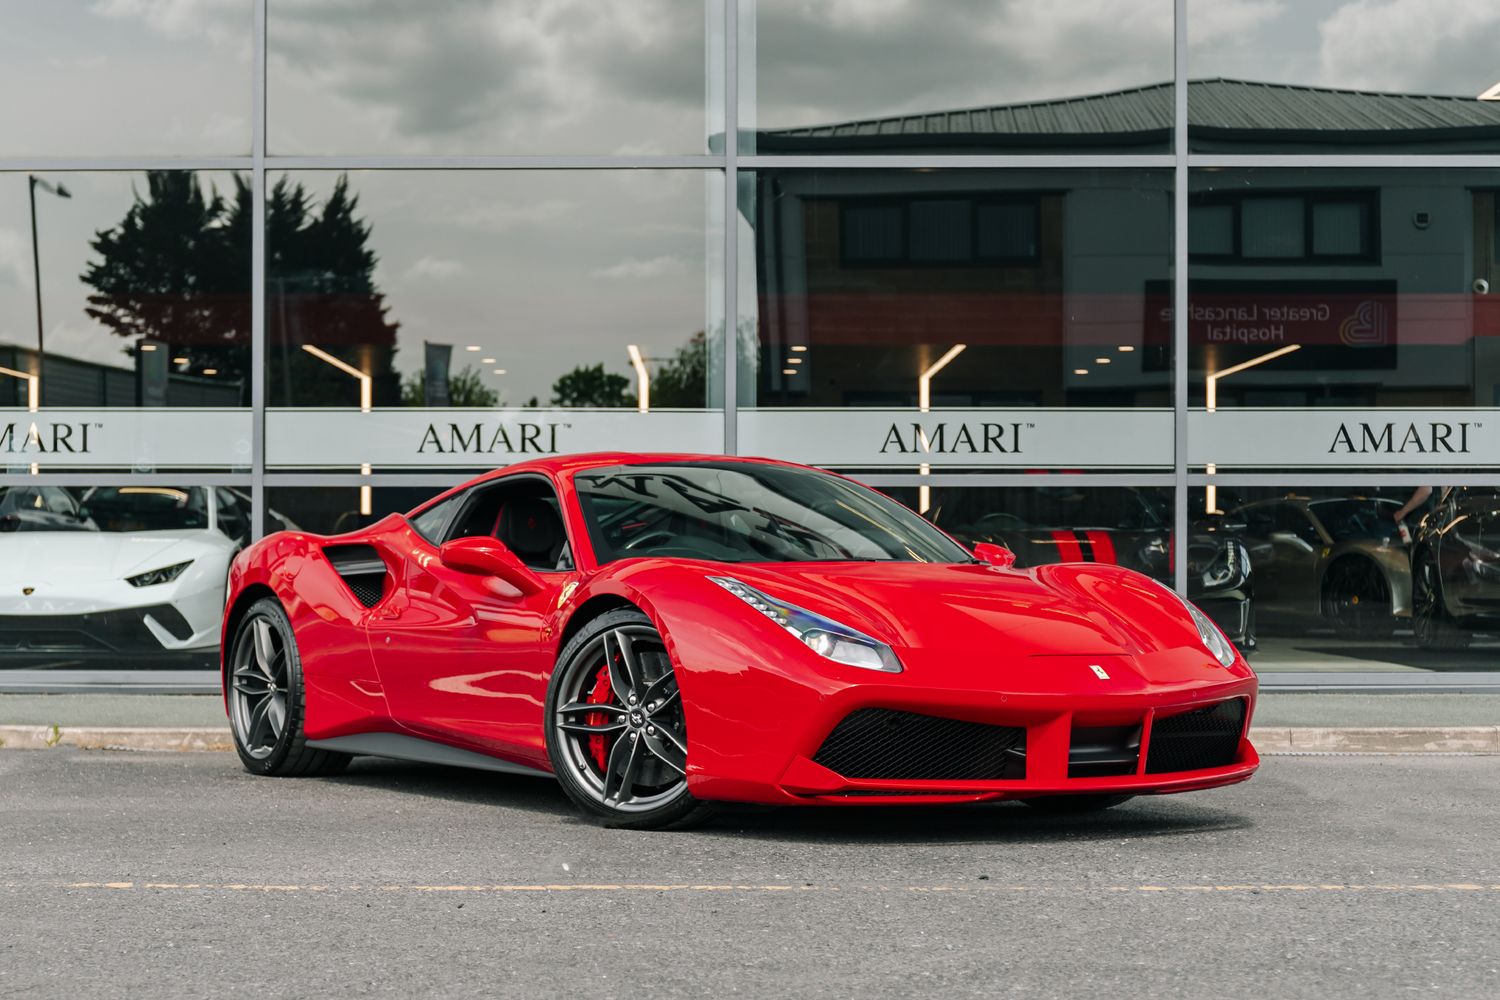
(567, 465)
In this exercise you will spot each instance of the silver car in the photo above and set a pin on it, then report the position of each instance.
(1339, 560)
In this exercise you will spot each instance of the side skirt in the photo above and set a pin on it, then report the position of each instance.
(423, 751)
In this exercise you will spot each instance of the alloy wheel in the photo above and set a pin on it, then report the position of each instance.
(1357, 600)
(619, 721)
(260, 680)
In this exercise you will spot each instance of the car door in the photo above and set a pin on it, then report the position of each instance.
(1297, 544)
(462, 657)
(1469, 554)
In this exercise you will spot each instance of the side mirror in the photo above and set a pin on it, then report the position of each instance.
(995, 555)
(488, 557)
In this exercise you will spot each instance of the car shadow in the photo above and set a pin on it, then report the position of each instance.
(1140, 818)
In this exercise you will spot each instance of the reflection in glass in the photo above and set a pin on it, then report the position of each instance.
(92, 79)
(1368, 578)
(332, 510)
(490, 289)
(1017, 76)
(491, 77)
(1342, 76)
(134, 575)
(1126, 526)
(145, 290)
(1351, 288)
(956, 288)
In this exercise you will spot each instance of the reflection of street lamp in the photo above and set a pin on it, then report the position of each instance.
(34, 182)
(1211, 403)
(924, 405)
(33, 394)
(642, 378)
(366, 391)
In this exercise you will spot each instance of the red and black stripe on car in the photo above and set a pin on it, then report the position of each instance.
(1084, 546)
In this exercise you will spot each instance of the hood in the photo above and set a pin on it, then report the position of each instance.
(57, 558)
(1078, 608)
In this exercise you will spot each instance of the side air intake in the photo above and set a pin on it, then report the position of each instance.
(362, 570)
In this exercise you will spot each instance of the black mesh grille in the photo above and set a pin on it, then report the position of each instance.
(362, 569)
(880, 743)
(367, 589)
(1204, 737)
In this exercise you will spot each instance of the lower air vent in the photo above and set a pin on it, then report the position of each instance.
(880, 743)
(362, 571)
(1191, 741)
(1102, 751)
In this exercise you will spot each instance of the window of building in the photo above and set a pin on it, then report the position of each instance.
(941, 232)
(1319, 227)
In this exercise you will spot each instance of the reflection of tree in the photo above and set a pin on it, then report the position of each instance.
(464, 389)
(682, 381)
(592, 386)
(177, 269)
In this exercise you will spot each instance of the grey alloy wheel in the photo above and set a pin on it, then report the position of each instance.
(260, 679)
(618, 721)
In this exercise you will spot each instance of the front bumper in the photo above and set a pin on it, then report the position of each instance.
(147, 636)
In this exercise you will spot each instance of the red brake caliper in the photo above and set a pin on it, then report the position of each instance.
(602, 694)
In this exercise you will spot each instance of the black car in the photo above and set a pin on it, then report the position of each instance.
(1455, 568)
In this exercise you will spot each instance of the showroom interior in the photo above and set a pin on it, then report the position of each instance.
(1200, 287)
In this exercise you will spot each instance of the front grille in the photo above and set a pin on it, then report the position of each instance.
(1191, 741)
(885, 744)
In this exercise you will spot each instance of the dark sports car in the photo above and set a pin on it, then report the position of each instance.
(1339, 560)
(665, 632)
(1455, 566)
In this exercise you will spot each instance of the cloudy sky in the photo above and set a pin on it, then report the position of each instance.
(551, 270)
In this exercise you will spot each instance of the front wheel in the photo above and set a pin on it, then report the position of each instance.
(1430, 622)
(1357, 601)
(266, 700)
(616, 734)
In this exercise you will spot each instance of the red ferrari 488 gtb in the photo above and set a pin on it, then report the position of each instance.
(662, 632)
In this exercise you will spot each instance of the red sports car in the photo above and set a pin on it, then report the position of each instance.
(663, 632)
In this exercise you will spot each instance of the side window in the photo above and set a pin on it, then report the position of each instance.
(429, 523)
(525, 515)
(233, 521)
(1294, 521)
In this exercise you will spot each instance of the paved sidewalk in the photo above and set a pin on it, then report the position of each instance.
(1284, 723)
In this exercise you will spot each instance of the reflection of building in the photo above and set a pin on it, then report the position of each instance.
(1223, 115)
(1058, 281)
(72, 383)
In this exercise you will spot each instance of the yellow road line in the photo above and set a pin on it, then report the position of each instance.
(652, 887)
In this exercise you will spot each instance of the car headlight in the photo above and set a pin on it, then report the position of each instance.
(151, 578)
(823, 636)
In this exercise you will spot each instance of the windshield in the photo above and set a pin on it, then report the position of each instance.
(147, 508)
(40, 508)
(747, 512)
(1346, 519)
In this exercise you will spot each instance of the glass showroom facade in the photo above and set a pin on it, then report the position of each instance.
(1200, 287)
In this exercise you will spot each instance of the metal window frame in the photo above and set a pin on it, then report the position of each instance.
(732, 166)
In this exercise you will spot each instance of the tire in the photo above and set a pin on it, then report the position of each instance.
(1060, 805)
(1433, 627)
(1357, 600)
(615, 730)
(267, 700)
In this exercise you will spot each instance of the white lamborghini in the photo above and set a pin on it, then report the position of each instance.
(120, 576)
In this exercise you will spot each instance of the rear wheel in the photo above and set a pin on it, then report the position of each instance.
(616, 733)
(1357, 601)
(266, 700)
(1430, 622)
(1062, 804)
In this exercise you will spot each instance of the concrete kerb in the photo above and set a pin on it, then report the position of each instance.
(1270, 740)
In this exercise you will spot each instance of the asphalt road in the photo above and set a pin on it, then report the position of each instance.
(145, 875)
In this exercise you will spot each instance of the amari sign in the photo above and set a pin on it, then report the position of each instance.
(454, 438)
(1318, 438)
(1026, 439)
(155, 438)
